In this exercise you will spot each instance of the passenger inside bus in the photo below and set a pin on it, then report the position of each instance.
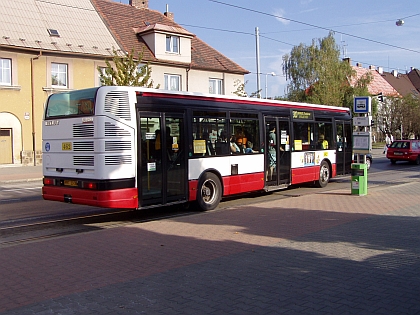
(272, 159)
(322, 142)
(209, 145)
(249, 148)
(234, 148)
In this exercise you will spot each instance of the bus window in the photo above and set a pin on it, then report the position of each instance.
(74, 103)
(209, 134)
(303, 136)
(244, 130)
(324, 134)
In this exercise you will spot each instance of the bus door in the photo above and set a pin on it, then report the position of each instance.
(277, 151)
(162, 165)
(344, 146)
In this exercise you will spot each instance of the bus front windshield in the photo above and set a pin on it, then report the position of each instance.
(73, 103)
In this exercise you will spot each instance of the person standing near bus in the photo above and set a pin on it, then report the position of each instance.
(387, 143)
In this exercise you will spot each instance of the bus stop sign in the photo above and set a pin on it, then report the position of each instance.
(361, 104)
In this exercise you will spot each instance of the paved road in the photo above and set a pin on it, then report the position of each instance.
(325, 253)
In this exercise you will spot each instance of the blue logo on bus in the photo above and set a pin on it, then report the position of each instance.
(47, 146)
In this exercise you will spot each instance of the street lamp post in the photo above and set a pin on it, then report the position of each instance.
(266, 77)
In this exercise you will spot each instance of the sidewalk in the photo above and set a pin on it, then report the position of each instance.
(325, 253)
(19, 173)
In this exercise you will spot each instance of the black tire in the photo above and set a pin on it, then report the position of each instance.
(393, 161)
(209, 192)
(324, 175)
(417, 161)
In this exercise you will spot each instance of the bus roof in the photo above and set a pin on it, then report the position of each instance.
(149, 92)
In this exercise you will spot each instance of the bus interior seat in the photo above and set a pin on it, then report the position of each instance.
(222, 148)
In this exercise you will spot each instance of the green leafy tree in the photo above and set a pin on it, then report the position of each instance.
(401, 113)
(389, 116)
(240, 89)
(127, 71)
(316, 74)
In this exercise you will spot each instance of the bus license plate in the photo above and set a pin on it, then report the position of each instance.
(66, 146)
(72, 183)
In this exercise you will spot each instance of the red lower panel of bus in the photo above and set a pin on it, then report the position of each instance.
(118, 198)
(309, 174)
(334, 171)
(234, 184)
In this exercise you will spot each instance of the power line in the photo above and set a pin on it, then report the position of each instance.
(314, 26)
(410, 16)
(217, 29)
(262, 36)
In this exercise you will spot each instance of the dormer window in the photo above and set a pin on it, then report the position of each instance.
(172, 44)
(168, 43)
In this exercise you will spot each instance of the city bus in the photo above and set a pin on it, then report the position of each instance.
(136, 148)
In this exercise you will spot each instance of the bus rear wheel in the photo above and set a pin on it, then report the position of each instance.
(324, 175)
(209, 192)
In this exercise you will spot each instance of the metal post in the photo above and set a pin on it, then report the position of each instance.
(266, 78)
(257, 37)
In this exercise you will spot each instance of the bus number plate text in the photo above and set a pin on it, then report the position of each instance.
(72, 183)
(66, 146)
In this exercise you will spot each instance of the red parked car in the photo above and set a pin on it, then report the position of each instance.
(404, 150)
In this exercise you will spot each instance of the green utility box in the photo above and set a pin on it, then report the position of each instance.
(359, 179)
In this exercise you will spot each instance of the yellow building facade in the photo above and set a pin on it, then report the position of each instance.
(22, 102)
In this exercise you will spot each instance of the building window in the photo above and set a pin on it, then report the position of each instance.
(5, 71)
(172, 44)
(215, 86)
(172, 82)
(59, 75)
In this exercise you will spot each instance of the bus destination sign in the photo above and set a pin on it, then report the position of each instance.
(305, 115)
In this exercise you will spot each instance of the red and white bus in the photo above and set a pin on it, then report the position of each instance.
(131, 147)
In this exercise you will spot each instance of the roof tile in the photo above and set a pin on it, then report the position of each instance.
(378, 85)
(76, 21)
(123, 19)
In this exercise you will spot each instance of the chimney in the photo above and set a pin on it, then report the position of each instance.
(347, 60)
(371, 67)
(394, 73)
(381, 70)
(359, 65)
(168, 14)
(139, 4)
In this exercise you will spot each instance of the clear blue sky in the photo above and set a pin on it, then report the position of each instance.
(365, 29)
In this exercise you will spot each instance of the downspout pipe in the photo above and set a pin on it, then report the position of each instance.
(33, 105)
(187, 70)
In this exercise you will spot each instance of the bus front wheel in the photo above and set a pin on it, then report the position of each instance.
(209, 192)
(324, 175)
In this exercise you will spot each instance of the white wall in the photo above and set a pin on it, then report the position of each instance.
(198, 81)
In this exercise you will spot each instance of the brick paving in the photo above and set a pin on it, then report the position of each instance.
(327, 253)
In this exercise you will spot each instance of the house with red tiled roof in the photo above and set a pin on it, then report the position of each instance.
(414, 76)
(379, 84)
(400, 81)
(57, 45)
(179, 59)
